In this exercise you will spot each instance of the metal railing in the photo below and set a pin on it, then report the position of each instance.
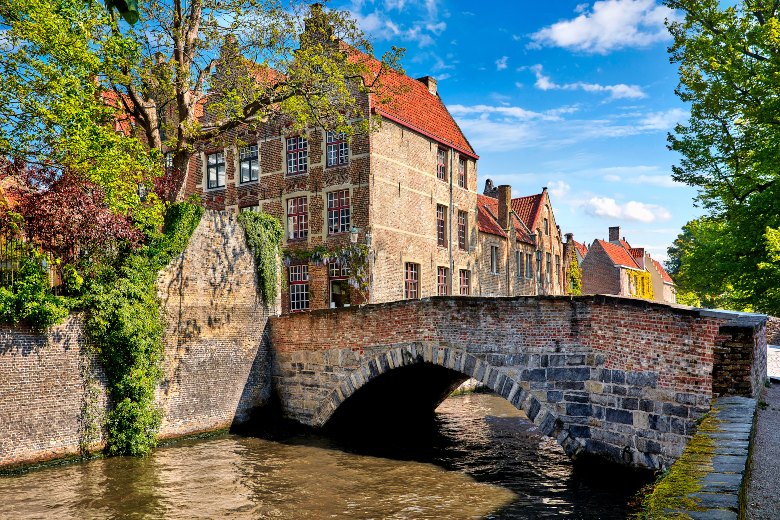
(12, 251)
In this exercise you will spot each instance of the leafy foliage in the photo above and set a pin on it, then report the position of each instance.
(575, 277)
(30, 300)
(125, 326)
(730, 74)
(641, 284)
(67, 216)
(355, 256)
(264, 236)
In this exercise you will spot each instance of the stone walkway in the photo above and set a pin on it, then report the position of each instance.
(763, 490)
(773, 362)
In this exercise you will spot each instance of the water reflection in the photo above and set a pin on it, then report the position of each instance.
(479, 459)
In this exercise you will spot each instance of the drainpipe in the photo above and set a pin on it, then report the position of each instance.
(449, 242)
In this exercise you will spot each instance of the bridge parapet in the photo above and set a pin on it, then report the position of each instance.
(621, 378)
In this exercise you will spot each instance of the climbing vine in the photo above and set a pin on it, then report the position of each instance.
(354, 256)
(575, 277)
(125, 325)
(264, 236)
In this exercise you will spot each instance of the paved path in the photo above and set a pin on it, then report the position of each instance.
(773, 362)
(763, 493)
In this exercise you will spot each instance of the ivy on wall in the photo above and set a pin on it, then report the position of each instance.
(125, 326)
(354, 256)
(575, 277)
(264, 235)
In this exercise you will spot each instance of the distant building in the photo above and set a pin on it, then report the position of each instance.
(614, 267)
(519, 247)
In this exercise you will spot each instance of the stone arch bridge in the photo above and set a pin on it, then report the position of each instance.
(619, 378)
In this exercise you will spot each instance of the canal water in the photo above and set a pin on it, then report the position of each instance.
(478, 458)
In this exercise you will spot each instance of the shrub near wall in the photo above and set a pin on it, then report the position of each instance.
(125, 327)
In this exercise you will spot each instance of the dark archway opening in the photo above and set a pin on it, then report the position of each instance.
(401, 397)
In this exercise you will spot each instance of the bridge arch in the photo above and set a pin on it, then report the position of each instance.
(442, 356)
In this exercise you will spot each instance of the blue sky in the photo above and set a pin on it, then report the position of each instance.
(576, 96)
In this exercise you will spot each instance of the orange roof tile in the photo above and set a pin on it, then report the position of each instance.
(490, 208)
(664, 274)
(409, 103)
(528, 209)
(487, 220)
(637, 252)
(618, 254)
(582, 249)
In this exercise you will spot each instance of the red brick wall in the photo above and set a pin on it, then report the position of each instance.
(599, 275)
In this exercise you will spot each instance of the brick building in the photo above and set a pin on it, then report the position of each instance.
(614, 267)
(407, 191)
(519, 247)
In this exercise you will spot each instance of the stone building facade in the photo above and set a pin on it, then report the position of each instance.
(407, 191)
(612, 267)
(519, 246)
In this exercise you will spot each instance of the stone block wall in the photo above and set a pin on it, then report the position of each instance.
(740, 357)
(216, 369)
(625, 379)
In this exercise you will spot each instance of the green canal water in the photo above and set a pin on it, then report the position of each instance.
(478, 458)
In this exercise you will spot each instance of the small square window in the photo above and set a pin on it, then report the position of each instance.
(336, 149)
(249, 163)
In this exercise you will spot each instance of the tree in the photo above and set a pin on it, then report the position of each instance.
(729, 63)
(247, 61)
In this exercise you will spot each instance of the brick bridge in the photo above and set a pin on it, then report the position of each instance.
(619, 378)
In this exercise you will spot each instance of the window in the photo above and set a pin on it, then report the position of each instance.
(297, 155)
(461, 172)
(338, 272)
(441, 164)
(557, 268)
(539, 267)
(441, 225)
(494, 259)
(338, 212)
(336, 148)
(546, 227)
(250, 209)
(299, 287)
(465, 282)
(462, 229)
(443, 281)
(548, 273)
(518, 264)
(529, 266)
(297, 218)
(215, 170)
(411, 281)
(248, 163)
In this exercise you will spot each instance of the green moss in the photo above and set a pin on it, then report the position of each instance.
(672, 490)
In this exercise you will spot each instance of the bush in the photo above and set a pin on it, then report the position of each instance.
(30, 300)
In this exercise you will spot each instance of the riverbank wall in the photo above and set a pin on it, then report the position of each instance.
(216, 366)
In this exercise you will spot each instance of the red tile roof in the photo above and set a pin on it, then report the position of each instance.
(487, 216)
(529, 208)
(409, 103)
(664, 274)
(637, 252)
(582, 249)
(489, 209)
(618, 254)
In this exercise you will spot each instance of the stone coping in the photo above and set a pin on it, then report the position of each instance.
(723, 462)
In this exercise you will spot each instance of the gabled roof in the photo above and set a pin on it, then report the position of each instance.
(618, 254)
(529, 209)
(582, 249)
(487, 219)
(667, 279)
(488, 207)
(637, 252)
(408, 102)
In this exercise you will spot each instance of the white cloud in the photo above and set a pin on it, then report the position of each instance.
(619, 91)
(609, 25)
(501, 63)
(632, 210)
(498, 136)
(510, 112)
(558, 189)
(664, 120)
(373, 18)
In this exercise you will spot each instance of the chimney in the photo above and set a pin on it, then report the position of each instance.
(504, 205)
(569, 237)
(430, 82)
(490, 190)
(614, 234)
